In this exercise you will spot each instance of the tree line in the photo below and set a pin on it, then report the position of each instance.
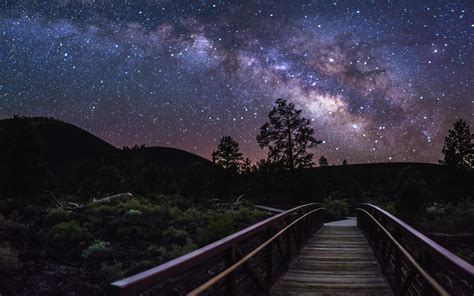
(288, 136)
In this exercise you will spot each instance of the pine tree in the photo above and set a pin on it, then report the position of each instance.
(287, 136)
(246, 166)
(344, 162)
(458, 148)
(323, 161)
(227, 154)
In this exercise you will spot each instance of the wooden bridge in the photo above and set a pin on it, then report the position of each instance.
(295, 253)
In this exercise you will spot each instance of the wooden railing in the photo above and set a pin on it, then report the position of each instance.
(412, 263)
(246, 262)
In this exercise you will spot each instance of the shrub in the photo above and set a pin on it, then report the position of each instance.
(435, 211)
(336, 208)
(177, 250)
(98, 250)
(8, 258)
(154, 251)
(141, 266)
(56, 216)
(450, 217)
(110, 271)
(133, 213)
(67, 235)
(173, 235)
(245, 216)
(221, 226)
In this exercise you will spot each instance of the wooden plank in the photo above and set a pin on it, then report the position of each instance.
(337, 260)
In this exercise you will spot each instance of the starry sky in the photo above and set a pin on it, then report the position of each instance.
(379, 80)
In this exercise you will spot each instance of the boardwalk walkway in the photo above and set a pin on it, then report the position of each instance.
(337, 260)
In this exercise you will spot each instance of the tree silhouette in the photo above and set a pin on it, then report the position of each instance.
(323, 161)
(413, 194)
(227, 154)
(458, 148)
(344, 162)
(287, 136)
(246, 166)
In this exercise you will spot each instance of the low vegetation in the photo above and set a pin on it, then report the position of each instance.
(83, 250)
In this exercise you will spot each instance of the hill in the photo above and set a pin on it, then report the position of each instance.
(169, 157)
(64, 157)
(59, 143)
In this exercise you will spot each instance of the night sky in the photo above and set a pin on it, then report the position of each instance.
(380, 80)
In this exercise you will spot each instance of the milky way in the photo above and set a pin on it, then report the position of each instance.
(379, 82)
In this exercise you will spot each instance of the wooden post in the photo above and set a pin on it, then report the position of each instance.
(428, 266)
(398, 265)
(288, 242)
(230, 284)
(269, 263)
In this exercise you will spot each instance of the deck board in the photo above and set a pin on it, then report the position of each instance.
(337, 260)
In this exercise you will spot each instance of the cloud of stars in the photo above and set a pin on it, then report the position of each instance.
(379, 81)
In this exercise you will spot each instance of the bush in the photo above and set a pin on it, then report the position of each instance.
(8, 258)
(336, 209)
(111, 271)
(245, 216)
(450, 217)
(173, 235)
(177, 250)
(221, 226)
(98, 250)
(141, 266)
(56, 216)
(154, 251)
(133, 213)
(67, 236)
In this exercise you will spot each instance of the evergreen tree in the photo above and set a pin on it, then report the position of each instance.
(458, 148)
(413, 195)
(344, 162)
(246, 167)
(323, 161)
(227, 154)
(287, 136)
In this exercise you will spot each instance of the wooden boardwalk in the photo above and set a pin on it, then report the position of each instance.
(337, 260)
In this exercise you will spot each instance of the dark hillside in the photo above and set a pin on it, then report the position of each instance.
(45, 154)
(169, 157)
(61, 142)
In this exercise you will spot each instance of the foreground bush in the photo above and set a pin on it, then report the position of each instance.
(67, 237)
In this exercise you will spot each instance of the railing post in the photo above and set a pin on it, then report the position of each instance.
(428, 266)
(269, 274)
(398, 264)
(288, 240)
(230, 259)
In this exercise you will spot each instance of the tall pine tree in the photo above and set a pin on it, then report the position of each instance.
(287, 136)
(227, 154)
(458, 148)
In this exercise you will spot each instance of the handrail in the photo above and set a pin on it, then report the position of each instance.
(430, 253)
(148, 278)
(437, 287)
(239, 263)
(453, 260)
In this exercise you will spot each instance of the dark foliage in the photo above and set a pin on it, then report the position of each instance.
(287, 136)
(458, 149)
(103, 242)
(323, 161)
(227, 154)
